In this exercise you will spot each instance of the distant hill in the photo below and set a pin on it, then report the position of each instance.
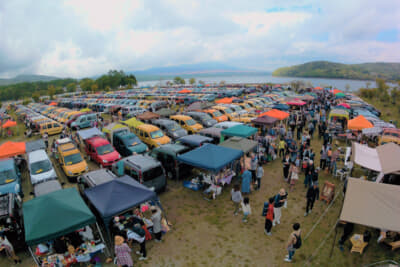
(325, 69)
(27, 78)
(206, 67)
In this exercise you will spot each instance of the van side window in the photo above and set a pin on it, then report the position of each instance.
(49, 126)
(56, 125)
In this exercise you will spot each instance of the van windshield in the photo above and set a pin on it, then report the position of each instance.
(40, 167)
(172, 126)
(217, 113)
(156, 134)
(227, 110)
(73, 159)
(7, 176)
(105, 149)
(152, 173)
(190, 122)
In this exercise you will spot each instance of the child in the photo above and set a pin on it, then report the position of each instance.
(246, 208)
(236, 197)
(269, 217)
(294, 175)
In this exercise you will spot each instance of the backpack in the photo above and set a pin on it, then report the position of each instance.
(297, 245)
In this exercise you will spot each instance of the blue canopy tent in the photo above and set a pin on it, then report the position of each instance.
(281, 106)
(239, 131)
(210, 157)
(117, 196)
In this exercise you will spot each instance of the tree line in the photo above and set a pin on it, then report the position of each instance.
(107, 82)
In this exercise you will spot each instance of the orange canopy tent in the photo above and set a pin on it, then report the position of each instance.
(184, 91)
(318, 88)
(53, 104)
(8, 124)
(10, 149)
(275, 113)
(359, 123)
(336, 91)
(226, 100)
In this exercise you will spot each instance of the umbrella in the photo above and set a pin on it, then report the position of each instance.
(53, 104)
(340, 95)
(8, 124)
(345, 105)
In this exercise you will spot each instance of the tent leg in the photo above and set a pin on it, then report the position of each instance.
(334, 240)
(108, 253)
(33, 256)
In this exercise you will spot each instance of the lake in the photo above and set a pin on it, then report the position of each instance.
(248, 78)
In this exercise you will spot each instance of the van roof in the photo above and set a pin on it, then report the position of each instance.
(181, 117)
(143, 162)
(148, 127)
(37, 155)
(100, 176)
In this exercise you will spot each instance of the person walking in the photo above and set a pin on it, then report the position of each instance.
(279, 201)
(137, 228)
(6, 245)
(156, 219)
(122, 252)
(294, 175)
(324, 156)
(286, 166)
(259, 175)
(246, 209)
(246, 180)
(308, 174)
(281, 147)
(253, 167)
(269, 217)
(294, 242)
(311, 196)
(236, 197)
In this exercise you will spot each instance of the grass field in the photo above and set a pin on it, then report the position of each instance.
(206, 233)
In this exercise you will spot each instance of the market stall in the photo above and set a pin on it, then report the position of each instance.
(240, 143)
(275, 113)
(359, 123)
(217, 161)
(239, 131)
(10, 149)
(55, 217)
(264, 122)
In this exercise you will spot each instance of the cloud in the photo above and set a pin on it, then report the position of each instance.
(74, 38)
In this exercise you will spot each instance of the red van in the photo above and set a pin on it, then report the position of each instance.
(101, 151)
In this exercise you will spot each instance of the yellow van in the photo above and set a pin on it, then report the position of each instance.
(70, 159)
(226, 111)
(187, 123)
(151, 135)
(50, 127)
(246, 107)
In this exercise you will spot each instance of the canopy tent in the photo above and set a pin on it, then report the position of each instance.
(8, 124)
(280, 106)
(55, 214)
(148, 116)
(274, 113)
(239, 130)
(371, 204)
(85, 110)
(318, 88)
(336, 91)
(184, 91)
(10, 149)
(198, 106)
(226, 100)
(89, 133)
(340, 95)
(296, 103)
(53, 104)
(340, 113)
(307, 97)
(165, 112)
(240, 143)
(132, 122)
(359, 123)
(264, 120)
(117, 196)
(210, 157)
(345, 105)
(382, 159)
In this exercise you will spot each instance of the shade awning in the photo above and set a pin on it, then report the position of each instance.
(275, 113)
(55, 214)
(372, 204)
(10, 149)
(264, 120)
(239, 130)
(359, 123)
(210, 157)
(240, 143)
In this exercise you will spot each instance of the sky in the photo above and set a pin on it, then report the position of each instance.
(83, 38)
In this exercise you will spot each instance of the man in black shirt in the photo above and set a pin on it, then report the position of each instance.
(312, 193)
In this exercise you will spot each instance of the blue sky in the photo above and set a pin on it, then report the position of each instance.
(84, 38)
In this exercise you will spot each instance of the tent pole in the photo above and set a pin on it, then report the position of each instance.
(108, 253)
(33, 256)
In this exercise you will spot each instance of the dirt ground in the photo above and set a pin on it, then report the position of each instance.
(206, 233)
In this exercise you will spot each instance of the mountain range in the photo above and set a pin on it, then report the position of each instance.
(28, 78)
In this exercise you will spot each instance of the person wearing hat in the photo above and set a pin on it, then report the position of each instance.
(122, 252)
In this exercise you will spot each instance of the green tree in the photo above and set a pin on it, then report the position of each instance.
(36, 96)
(71, 87)
(192, 81)
(51, 91)
(86, 84)
(179, 80)
(94, 87)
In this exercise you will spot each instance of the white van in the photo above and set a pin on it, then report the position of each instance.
(40, 167)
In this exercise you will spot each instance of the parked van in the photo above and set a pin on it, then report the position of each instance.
(205, 119)
(170, 128)
(226, 111)
(50, 127)
(101, 151)
(10, 177)
(40, 167)
(84, 121)
(187, 123)
(94, 178)
(216, 115)
(167, 155)
(145, 170)
(70, 159)
(151, 135)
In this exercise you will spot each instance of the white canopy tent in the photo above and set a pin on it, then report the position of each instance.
(372, 204)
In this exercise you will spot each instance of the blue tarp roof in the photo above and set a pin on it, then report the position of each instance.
(210, 157)
(117, 196)
(281, 106)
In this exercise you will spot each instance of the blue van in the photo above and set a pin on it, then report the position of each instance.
(10, 177)
(84, 121)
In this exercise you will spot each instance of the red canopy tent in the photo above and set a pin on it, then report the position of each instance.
(184, 91)
(10, 149)
(53, 104)
(345, 105)
(336, 91)
(275, 113)
(226, 100)
(8, 124)
(296, 103)
(318, 88)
